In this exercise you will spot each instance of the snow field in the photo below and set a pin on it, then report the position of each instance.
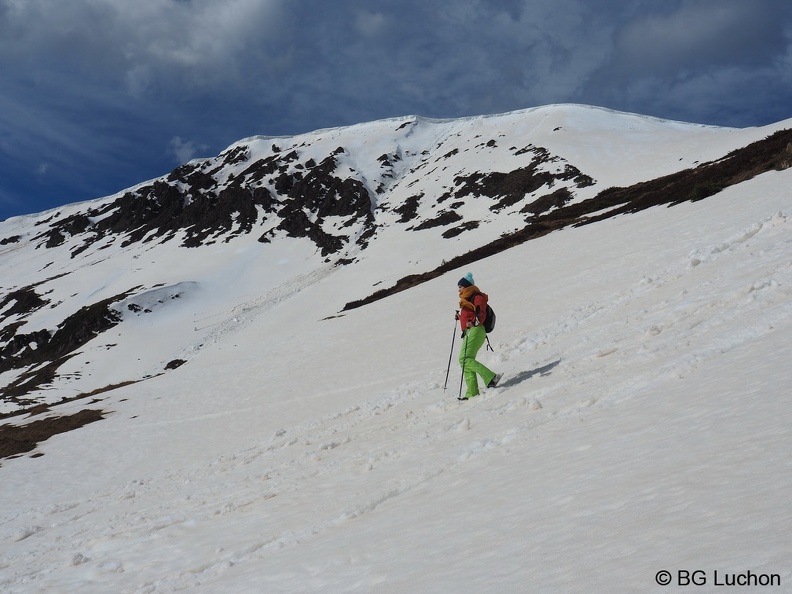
(641, 425)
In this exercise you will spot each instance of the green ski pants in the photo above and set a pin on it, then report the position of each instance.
(471, 344)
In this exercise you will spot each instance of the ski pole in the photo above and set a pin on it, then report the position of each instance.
(450, 356)
(464, 362)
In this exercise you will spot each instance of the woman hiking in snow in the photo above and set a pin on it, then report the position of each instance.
(473, 312)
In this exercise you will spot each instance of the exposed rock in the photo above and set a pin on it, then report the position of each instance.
(26, 301)
(43, 352)
(445, 218)
(688, 185)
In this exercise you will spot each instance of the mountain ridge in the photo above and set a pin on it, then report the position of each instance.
(450, 192)
(707, 179)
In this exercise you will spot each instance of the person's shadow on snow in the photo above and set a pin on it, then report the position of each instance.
(526, 375)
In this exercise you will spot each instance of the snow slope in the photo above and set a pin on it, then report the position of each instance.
(643, 422)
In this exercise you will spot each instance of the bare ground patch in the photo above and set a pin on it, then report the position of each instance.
(20, 439)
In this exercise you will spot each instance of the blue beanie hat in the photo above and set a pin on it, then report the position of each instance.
(466, 281)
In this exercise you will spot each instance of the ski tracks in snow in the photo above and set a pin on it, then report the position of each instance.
(253, 502)
(240, 510)
(669, 323)
(214, 327)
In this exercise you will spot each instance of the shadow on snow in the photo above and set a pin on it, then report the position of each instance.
(526, 375)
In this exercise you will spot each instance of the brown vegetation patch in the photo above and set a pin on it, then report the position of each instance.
(18, 439)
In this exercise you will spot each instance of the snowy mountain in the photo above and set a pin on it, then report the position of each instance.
(254, 350)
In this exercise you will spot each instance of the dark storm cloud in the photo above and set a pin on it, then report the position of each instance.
(98, 95)
(703, 35)
(724, 62)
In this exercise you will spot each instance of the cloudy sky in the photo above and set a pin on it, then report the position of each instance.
(98, 95)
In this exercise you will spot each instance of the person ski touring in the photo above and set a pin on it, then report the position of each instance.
(472, 314)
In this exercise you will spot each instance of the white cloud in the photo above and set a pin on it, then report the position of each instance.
(185, 150)
(369, 24)
(145, 43)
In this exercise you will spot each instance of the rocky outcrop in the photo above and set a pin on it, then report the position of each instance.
(689, 185)
(42, 352)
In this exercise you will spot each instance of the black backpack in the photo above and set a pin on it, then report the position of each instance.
(489, 321)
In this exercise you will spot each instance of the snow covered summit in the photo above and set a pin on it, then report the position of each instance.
(220, 232)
